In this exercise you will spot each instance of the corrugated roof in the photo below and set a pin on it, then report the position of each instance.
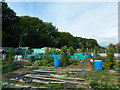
(117, 44)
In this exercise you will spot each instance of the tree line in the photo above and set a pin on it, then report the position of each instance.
(33, 32)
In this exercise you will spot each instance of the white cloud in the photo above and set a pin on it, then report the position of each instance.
(99, 23)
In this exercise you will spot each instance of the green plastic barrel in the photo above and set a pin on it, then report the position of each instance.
(4, 56)
(31, 58)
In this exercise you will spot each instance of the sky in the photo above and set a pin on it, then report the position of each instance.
(97, 20)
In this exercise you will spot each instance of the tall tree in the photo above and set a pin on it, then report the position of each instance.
(9, 32)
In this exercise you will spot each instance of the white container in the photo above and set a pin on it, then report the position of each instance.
(16, 57)
(19, 57)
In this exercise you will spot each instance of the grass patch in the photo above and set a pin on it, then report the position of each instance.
(57, 86)
(100, 79)
(96, 84)
(7, 84)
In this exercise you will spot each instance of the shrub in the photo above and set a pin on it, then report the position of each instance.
(75, 62)
(95, 50)
(38, 63)
(110, 61)
(11, 56)
(71, 50)
(63, 57)
(28, 63)
(6, 67)
(82, 50)
(43, 62)
(17, 65)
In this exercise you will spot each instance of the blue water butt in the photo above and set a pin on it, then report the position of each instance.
(89, 56)
(98, 65)
(52, 55)
(56, 62)
(95, 55)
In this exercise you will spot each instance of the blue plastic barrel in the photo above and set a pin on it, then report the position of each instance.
(56, 62)
(52, 55)
(89, 56)
(98, 65)
(95, 55)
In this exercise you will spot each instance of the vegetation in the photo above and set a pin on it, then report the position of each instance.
(7, 67)
(71, 50)
(101, 79)
(82, 50)
(56, 86)
(95, 50)
(110, 61)
(99, 58)
(33, 32)
(9, 64)
(96, 84)
(10, 56)
(64, 58)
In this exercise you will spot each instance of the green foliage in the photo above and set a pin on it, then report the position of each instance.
(96, 84)
(87, 50)
(38, 63)
(47, 55)
(75, 62)
(71, 50)
(10, 58)
(86, 43)
(46, 60)
(9, 20)
(33, 32)
(43, 62)
(91, 50)
(7, 67)
(33, 68)
(28, 63)
(56, 86)
(11, 55)
(79, 50)
(95, 50)
(82, 50)
(100, 78)
(63, 57)
(110, 61)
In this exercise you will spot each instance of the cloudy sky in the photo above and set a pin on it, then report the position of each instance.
(97, 20)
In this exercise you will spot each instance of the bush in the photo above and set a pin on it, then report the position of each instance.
(17, 65)
(75, 62)
(38, 63)
(29, 63)
(110, 61)
(43, 62)
(63, 57)
(71, 50)
(6, 67)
